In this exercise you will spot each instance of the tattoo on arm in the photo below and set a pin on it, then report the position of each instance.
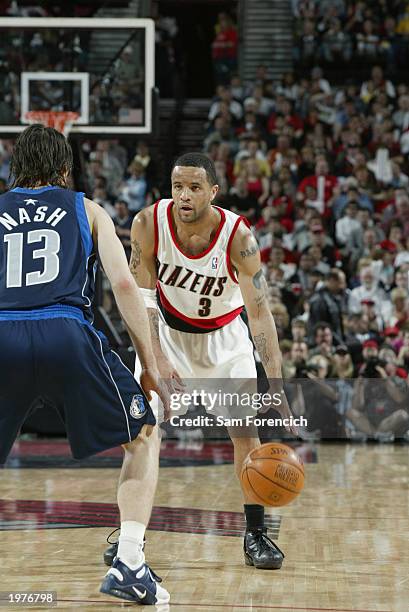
(260, 284)
(259, 300)
(248, 252)
(135, 260)
(154, 323)
(258, 280)
(260, 343)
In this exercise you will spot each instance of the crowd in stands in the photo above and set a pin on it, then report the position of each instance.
(116, 94)
(336, 32)
(122, 181)
(322, 174)
(224, 49)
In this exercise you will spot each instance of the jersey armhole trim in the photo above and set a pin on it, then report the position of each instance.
(156, 228)
(84, 223)
(228, 249)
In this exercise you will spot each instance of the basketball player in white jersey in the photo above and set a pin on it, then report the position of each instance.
(197, 265)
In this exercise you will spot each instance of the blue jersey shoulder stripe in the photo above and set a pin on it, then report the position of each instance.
(83, 223)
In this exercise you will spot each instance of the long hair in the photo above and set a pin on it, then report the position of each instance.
(41, 156)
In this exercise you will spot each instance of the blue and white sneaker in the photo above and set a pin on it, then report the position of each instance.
(140, 586)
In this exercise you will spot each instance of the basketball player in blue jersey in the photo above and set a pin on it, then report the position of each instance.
(198, 265)
(50, 239)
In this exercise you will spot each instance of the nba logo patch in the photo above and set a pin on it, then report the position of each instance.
(214, 263)
(137, 408)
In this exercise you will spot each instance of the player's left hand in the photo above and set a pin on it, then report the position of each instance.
(283, 409)
(150, 380)
(170, 375)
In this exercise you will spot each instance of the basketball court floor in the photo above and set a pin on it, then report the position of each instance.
(345, 538)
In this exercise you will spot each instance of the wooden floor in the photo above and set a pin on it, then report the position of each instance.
(346, 539)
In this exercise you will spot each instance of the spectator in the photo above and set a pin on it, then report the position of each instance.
(224, 49)
(134, 188)
(225, 100)
(241, 201)
(144, 157)
(343, 366)
(257, 182)
(123, 223)
(378, 407)
(336, 43)
(325, 305)
(369, 289)
(368, 41)
(351, 193)
(400, 308)
(306, 50)
(324, 184)
(298, 330)
(323, 340)
(347, 224)
(100, 195)
(302, 276)
(376, 85)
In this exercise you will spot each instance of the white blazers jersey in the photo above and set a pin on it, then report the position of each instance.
(196, 293)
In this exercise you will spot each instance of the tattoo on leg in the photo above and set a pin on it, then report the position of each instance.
(135, 261)
(258, 279)
(260, 343)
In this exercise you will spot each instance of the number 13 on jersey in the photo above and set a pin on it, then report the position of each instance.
(48, 253)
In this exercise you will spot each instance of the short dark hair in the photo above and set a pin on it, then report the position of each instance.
(198, 160)
(320, 326)
(299, 323)
(333, 275)
(41, 156)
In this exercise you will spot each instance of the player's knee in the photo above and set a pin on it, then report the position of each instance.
(352, 414)
(148, 438)
(401, 415)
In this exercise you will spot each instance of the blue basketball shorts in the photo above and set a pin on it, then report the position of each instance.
(69, 364)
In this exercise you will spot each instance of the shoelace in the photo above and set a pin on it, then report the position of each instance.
(154, 575)
(262, 534)
(111, 534)
(116, 541)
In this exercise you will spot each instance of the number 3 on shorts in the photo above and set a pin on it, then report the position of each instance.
(204, 309)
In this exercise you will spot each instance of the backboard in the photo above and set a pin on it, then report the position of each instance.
(101, 68)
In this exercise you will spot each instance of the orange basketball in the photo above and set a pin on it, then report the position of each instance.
(272, 475)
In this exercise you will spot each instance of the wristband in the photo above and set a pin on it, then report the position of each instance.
(149, 297)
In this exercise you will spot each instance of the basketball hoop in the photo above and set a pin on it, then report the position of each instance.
(59, 120)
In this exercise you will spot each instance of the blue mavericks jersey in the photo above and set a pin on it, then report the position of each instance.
(47, 255)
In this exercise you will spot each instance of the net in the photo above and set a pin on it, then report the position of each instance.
(59, 120)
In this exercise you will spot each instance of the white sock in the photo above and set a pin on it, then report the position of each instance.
(131, 544)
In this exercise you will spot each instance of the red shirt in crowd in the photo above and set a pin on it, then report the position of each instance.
(329, 184)
(224, 45)
(294, 120)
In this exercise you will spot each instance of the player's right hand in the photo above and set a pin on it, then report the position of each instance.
(170, 375)
(151, 380)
